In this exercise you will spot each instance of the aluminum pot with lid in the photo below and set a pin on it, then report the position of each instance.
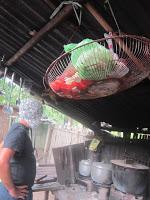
(129, 178)
(85, 167)
(101, 173)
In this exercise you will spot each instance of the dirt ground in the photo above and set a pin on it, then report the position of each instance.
(40, 196)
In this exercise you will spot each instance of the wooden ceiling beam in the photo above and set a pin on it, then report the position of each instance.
(108, 28)
(50, 4)
(98, 17)
(63, 14)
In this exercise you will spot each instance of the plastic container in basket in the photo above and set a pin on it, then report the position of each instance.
(89, 70)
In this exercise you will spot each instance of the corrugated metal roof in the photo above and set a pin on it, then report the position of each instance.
(20, 18)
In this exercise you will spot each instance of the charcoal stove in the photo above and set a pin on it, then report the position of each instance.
(117, 195)
(130, 177)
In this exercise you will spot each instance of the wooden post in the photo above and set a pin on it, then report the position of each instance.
(48, 142)
(46, 195)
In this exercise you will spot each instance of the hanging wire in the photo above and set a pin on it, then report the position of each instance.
(113, 15)
(75, 6)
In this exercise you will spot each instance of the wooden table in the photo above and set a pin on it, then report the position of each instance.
(47, 187)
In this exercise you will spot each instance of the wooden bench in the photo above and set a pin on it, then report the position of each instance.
(47, 187)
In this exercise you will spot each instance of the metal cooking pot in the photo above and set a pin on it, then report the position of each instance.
(85, 167)
(101, 173)
(129, 178)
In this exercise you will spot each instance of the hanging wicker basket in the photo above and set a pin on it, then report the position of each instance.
(93, 70)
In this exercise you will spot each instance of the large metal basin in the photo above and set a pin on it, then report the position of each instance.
(129, 178)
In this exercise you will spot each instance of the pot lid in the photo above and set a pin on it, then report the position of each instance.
(133, 165)
(85, 162)
(102, 165)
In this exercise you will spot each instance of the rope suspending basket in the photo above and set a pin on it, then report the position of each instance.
(98, 68)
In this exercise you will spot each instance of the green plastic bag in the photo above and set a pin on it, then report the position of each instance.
(92, 61)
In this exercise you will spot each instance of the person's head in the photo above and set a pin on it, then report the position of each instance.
(30, 110)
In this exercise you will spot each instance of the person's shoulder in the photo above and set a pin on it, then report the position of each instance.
(16, 137)
(18, 125)
(15, 125)
(18, 129)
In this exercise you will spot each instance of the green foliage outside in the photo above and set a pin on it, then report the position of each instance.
(49, 113)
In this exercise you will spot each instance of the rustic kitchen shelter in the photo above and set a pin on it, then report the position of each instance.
(32, 35)
(30, 41)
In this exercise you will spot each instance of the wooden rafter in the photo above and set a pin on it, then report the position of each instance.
(98, 17)
(49, 3)
(108, 28)
(64, 13)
